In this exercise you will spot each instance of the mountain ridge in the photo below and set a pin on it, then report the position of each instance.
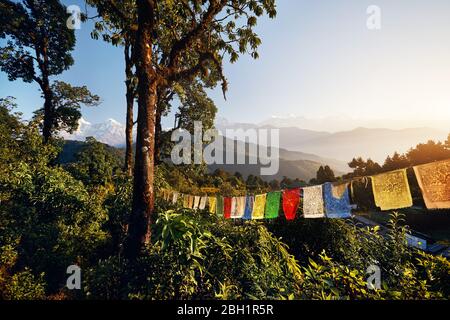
(374, 143)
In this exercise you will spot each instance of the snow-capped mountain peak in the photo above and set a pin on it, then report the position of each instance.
(83, 121)
(111, 132)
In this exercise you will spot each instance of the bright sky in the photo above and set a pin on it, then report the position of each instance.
(317, 60)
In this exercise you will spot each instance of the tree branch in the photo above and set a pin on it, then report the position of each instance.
(215, 6)
(189, 73)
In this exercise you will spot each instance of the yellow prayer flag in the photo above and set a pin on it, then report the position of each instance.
(212, 204)
(391, 190)
(259, 206)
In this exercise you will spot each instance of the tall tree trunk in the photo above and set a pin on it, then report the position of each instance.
(164, 98)
(130, 103)
(139, 231)
(158, 138)
(44, 83)
(48, 110)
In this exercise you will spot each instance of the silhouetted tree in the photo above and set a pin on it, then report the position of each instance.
(274, 185)
(363, 168)
(325, 174)
(427, 152)
(395, 162)
(286, 182)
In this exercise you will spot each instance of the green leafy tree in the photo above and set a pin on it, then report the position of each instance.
(117, 26)
(10, 129)
(67, 101)
(256, 184)
(205, 33)
(95, 164)
(47, 218)
(239, 176)
(38, 46)
(196, 106)
(286, 182)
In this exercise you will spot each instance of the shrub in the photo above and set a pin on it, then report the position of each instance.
(197, 256)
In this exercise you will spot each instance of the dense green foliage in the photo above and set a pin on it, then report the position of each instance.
(36, 44)
(32, 28)
(95, 164)
(55, 213)
(53, 216)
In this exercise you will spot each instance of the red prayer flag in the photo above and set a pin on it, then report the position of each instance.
(291, 201)
(227, 207)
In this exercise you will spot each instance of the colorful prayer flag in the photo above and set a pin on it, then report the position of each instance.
(434, 182)
(337, 200)
(186, 201)
(238, 207)
(313, 202)
(191, 202)
(203, 201)
(175, 197)
(272, 205)
(248, 207)
(219, 206)
(227, 207)
(291, 201)
(259, 207)
(196, 203)
(212, 204)
(391, 190)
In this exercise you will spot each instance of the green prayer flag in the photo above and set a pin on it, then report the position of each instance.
(219, 206)
(273, 205)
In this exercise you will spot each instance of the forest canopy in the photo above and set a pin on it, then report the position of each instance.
(101, 209)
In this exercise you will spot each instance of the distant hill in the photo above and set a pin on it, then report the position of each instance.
(343, 122)
(312, 145)
(375, 143)
(292, 164)
(72, 147)
(301, 169)
(301, 151)
(289, 136)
